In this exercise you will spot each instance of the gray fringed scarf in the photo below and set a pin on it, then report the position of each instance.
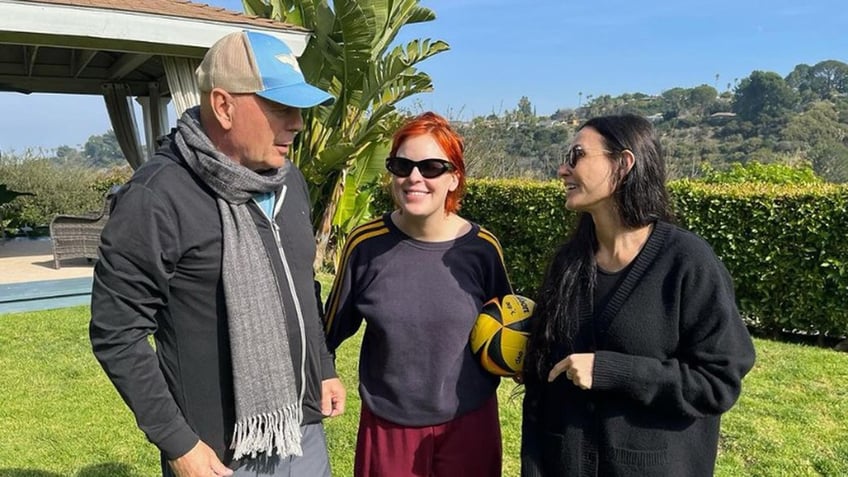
(268, 408)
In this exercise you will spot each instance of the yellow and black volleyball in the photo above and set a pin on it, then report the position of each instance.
(499, 336)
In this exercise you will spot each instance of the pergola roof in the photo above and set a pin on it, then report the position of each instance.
(76, 46)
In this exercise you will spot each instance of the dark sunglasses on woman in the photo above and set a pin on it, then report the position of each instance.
(577, 152)
(428, 168)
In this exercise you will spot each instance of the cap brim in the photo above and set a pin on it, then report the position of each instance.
(301, 95)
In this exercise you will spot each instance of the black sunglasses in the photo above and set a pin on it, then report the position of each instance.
(576, 152)
(429, 168)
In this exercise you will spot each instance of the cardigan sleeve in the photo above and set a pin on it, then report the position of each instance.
(703, 376)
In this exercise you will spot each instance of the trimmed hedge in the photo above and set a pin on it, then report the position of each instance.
(784, 245)
(528, 217)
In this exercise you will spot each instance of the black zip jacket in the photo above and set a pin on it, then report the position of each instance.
(159, 274)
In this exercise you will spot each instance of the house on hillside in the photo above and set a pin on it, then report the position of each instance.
(721, 117)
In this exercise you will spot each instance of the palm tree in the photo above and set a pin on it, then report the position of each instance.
(352, 55)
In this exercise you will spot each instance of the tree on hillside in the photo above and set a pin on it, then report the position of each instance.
(829, 78)
(485, 140)
(675, 101)
(700, 98)
(508, 146)
(830, 160)
(604, 105)
(564, 114)
(69, 155)
(352, 54)
(103, 150)
(824, 80)
(819, 136)
(818, 124)
(765, 100)
(525, 111)
(799, 80)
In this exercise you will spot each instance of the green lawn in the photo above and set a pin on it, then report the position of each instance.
(59, 415)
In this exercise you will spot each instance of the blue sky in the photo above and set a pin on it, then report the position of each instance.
(547, 50)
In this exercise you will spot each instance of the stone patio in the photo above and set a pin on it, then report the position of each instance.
(27, 260)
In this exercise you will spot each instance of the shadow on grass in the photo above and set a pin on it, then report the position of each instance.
(839, 343)
(109, 469)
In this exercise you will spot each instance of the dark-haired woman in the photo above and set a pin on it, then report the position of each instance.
(418, 277)
(639, 347)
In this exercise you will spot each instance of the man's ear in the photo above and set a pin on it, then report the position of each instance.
(222, 107)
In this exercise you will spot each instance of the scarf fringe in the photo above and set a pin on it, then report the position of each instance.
(265, 433)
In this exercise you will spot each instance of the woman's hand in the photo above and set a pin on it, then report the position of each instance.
(577, 368)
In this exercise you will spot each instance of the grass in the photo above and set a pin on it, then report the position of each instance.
(60, 416)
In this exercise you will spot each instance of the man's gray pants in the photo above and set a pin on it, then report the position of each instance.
(315, 461)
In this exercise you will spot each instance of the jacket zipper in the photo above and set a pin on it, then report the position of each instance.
(276, 229)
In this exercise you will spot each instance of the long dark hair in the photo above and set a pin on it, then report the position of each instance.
(640, 199)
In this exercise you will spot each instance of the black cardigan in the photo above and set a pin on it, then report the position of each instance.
(670, 354)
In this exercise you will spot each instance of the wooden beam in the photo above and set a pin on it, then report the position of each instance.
(30, 54)
(125, 64)
(64, 85)
(82, 59)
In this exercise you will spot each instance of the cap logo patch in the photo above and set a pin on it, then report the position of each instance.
(288, 59)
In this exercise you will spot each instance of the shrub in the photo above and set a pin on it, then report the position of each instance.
(58, 189)
(783, 245)
(773, 173)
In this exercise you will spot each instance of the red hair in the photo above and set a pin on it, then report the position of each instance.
(448, 140)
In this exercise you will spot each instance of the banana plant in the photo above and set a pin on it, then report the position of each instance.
(353, 55)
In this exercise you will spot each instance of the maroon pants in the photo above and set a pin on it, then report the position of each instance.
(468, 446)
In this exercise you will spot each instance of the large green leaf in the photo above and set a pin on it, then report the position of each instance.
(403, 13)
(352, 55)
(371, 163)
(258, 8)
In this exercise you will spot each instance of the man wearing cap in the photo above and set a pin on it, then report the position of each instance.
(209, 249)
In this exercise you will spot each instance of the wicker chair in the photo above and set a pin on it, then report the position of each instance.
(78, 236)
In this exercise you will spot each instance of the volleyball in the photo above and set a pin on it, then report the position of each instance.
(499, 335)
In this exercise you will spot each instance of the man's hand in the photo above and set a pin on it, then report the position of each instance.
(578, 369)
(333, 397)
(200, 461)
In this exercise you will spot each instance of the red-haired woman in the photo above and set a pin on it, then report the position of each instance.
(418, 277)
